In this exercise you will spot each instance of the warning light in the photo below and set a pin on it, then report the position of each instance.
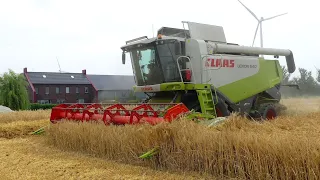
(188, 75)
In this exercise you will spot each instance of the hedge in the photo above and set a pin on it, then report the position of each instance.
(133, 101)
(36, 106)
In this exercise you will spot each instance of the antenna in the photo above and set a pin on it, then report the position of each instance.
(259, 23)
(58, 64)
(152, 31)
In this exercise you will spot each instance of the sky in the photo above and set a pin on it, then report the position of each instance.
(88, 34)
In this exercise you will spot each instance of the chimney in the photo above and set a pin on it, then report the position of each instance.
(25, 70)
(84, 71)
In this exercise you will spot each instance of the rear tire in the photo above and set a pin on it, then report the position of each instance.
(267, 112)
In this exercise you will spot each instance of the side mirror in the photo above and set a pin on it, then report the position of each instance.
(123, 57)
(177, 48)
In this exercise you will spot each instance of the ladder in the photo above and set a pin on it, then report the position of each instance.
(207, 105)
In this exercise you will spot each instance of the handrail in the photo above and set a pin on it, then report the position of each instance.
(192, 72)
(136, 39)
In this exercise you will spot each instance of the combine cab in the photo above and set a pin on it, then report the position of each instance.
(192, 70)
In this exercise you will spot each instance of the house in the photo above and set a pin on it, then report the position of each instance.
(55, 87)
(114, 87)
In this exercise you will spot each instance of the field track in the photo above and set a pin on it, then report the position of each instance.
(32, 157)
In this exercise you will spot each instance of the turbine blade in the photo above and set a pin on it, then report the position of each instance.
(274, 16)
(255, 33)
(249, 10)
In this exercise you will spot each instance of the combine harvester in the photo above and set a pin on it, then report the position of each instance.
(194, 73)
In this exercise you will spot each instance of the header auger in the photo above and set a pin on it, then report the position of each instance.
(192, 70)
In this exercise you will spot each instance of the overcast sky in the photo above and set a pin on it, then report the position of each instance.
(88, 34)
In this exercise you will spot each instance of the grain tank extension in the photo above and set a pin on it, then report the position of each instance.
(196, 69)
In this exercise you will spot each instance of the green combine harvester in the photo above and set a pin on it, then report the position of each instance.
(194, 70)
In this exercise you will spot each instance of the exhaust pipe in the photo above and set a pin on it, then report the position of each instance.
(224, 48)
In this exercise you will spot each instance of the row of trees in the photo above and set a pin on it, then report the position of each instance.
(14, 93)
(308, 85)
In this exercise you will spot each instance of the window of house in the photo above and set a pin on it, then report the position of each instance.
(37, 90)
(86, 90)
(59, 101)
(77, 89)
(47, 90)
(44, 101)
(80, 100)
(57, 90)
(67, 90)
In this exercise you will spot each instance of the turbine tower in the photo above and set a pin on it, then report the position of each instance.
(58, 64)
(259, 23)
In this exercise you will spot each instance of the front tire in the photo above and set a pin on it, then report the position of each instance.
(221, 109)
(192, 102)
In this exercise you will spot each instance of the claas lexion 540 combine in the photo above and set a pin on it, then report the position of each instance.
(194, 73)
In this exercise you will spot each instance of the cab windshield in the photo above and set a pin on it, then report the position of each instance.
(155, 63)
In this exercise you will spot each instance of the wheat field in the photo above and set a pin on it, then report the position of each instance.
(285, 148)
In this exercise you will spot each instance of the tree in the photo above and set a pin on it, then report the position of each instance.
(13, 91)
(286, 75)
(306, 82)
(318, 75)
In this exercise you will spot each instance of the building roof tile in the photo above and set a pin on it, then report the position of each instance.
(57, 78)
(100, 82)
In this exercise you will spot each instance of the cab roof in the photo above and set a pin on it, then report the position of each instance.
(146, 40)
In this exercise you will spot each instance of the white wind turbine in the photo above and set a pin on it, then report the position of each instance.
(259, 23)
